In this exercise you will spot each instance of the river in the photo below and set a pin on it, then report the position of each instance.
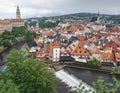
(69, 77)
(6, 52)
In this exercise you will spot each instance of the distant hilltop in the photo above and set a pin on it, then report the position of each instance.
(82, 16)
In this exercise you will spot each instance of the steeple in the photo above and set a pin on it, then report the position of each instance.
(98, 18)
(18, 13)
(98, 14)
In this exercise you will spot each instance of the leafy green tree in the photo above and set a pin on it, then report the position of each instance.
(17, 34)
(8, 87)
(6, 32)
(81, 89)
(102, 87)
(30, 74)
(93, 62)
(6, 43)
(18, 31)
(114, 70)
(32, 23)
(29, 35)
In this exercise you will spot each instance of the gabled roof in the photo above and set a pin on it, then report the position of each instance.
(77, 48)
(49, 33)
(93, 48)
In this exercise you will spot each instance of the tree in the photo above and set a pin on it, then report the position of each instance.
(18, 34)
(93, 62)
(30, 74)
(8, 87)
(6, 43)
(114, 70)
(29, 35)
(81, 89)
(101, 86)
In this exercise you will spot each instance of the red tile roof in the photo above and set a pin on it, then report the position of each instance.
(117, 57)
(5, 22)
(107, 56)
(17, 20)
(77, 48)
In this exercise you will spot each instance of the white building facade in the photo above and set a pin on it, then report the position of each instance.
(56, 54)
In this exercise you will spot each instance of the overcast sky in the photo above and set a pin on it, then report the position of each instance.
(39, 8)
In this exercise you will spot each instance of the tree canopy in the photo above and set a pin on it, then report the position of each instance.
(100, 86)
(17, 34)
(93, 62)
(8, 87)
(30, 74)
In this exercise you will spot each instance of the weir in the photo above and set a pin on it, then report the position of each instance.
(72, 81)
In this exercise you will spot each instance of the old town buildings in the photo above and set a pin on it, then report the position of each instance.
(78, 41)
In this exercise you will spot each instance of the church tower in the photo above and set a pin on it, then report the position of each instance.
(98, 18)
(18, 13)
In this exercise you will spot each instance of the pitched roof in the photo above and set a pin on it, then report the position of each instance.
(17, 20)
(5, 22)
(77, 48)
(49, 33)
(93, 48)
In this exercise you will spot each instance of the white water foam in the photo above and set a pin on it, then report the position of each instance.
(71, 80)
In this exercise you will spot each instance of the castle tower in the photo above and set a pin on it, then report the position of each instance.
(18, 13)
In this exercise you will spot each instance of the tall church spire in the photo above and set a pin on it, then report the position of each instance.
(98, 13)
(18, 12)
(98, 18)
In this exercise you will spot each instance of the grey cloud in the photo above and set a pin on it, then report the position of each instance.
(58, 7)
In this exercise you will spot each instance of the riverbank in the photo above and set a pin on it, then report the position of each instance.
(101, 69)
(5, 48)
(106, 69)
(2, 49)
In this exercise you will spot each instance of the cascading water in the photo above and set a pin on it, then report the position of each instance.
(71, 80)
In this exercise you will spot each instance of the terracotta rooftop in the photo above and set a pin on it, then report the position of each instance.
(17, 20)
(5, 22)
(77, 48)
(107, 56)
(117, 57)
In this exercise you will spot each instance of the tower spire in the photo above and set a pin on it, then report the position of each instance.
(98, 13)
(18, 12)
(98, 18)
